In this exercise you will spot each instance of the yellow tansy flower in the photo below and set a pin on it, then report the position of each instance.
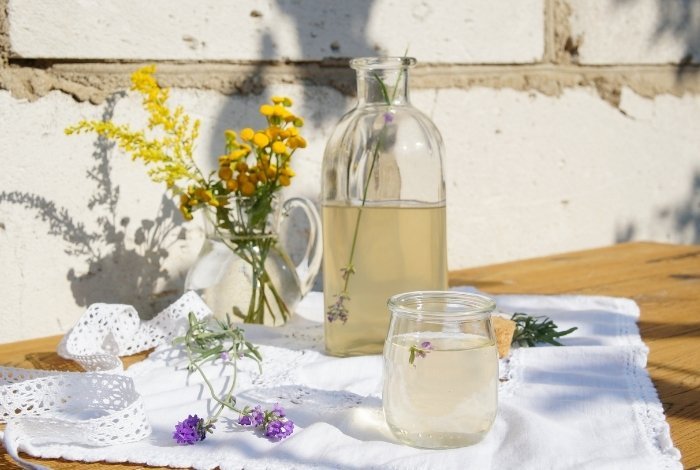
(225, 173)
(280, 111)
(238, 154)
(247, 134)
(273, 132)
(247, 188)
(279, 147)
(261, 140)
(232, 185)
(266, 110)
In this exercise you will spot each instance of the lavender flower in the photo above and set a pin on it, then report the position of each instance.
(425, 347)
(388, 118)
(190, 431)
(254, 417)
(419, 351)
(279, 429)
(274, 423)
(338, 311)
(278, 410)
(224, 356)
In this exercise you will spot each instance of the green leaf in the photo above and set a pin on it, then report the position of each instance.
(531, 330)
(237, 312)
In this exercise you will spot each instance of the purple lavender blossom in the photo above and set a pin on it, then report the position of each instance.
(278, 410)
(254, 417)
(388, 118)
(278, 429)
(224, 356)
(190, 431)
(425, 347)
(274, 424)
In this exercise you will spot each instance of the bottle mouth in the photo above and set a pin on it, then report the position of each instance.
(442, 305)
(374, 63)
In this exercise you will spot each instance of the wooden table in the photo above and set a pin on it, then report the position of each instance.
(663, 279)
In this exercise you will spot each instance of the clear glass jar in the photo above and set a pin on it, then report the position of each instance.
(440, 369)
(383, 200)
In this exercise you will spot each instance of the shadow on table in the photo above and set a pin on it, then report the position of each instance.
(682, 397)
(659, 330)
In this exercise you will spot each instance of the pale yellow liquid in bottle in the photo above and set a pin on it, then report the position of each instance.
(448, 398)
(397, 250)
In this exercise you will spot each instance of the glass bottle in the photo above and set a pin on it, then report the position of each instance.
(440, 369)
(383, 201)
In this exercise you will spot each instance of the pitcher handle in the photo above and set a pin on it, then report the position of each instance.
(308, 267)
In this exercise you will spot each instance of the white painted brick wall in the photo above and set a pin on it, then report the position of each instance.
(636, 31)
(466, 31)
(527, 175)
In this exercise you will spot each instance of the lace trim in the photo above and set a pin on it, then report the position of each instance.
(94, 408)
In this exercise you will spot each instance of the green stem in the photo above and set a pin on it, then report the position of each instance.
(245, 248)
(222, 403)
(375, 156)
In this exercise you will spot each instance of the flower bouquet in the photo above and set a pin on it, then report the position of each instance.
(239, 199)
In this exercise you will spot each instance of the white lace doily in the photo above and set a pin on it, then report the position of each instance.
(95, 408)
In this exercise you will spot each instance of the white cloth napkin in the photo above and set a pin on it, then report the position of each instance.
(588, 405)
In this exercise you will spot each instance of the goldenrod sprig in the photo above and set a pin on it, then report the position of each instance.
(167, 149)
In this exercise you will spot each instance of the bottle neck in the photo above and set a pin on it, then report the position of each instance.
(382, 86)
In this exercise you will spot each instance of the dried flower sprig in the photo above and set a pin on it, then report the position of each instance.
(419, 351)
(338, 310)
(274, 423)
(205, 342)
(191, 430)
(531, 330)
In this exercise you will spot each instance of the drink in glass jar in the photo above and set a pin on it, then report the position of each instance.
(440, 369)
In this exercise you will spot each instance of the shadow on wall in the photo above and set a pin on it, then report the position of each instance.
(680, 19)
(315, 38)
(683, 219)
(124, 262)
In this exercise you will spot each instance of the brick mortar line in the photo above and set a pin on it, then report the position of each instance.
(321, 68)
(94, 81)
(4, 34)
(549, 24)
